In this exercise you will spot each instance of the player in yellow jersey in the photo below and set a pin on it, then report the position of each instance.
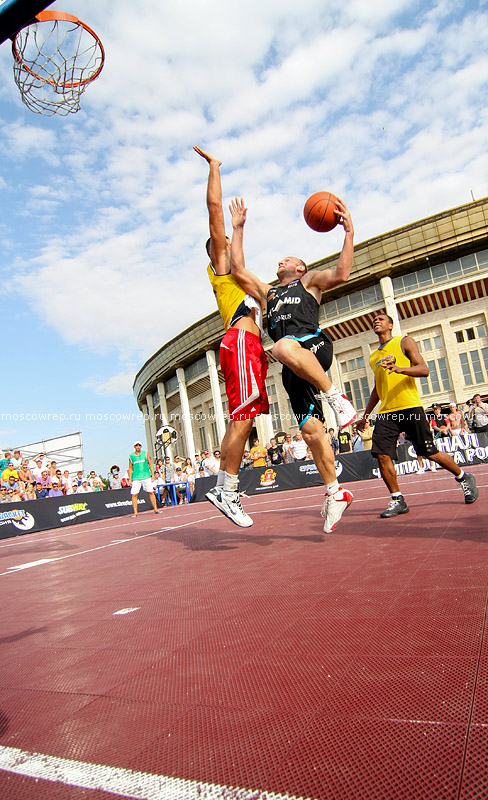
(242, 358)
(396, 363)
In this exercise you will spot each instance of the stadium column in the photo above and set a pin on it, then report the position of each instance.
(152, 423)
(147, 428)
(216, 396)
(163, 413)
(386, 285)
(264, 427)
(185, 412)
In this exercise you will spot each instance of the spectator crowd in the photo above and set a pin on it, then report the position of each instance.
(24, 479)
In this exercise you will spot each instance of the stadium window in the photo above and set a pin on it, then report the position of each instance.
(437, 342)
(468, 377)
(484, 353)
(444, 373)
(481, 331)
(476, 365)
(459, 336)
(203, 438)
(470, 334)
(434, 376)
(274, 410)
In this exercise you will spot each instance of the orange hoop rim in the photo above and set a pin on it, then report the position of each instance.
(53, 15)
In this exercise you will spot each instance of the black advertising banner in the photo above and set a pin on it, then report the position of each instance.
(59, 512)
(465, 450)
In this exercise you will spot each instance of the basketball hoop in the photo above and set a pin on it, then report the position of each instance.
(56, 56)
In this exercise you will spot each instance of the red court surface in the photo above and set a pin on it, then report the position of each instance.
(270, 663)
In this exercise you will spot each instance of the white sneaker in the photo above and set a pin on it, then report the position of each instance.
(229, 503)
(420, 471)
(344, 411)
(334, 507)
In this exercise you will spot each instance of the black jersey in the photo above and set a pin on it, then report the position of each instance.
(292, 311)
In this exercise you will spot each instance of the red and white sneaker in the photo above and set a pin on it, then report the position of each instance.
(334, 507)
(344, 411)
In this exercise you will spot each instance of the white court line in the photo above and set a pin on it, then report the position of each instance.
(12, 570)
(120, 781)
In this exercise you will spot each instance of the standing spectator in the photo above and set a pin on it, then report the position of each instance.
(17, 459)
(258, 454)
(275, 453)
(367, 435)
(141, 475)
(344, 441)
(5, 461)
(37, 471)
(299, 447)
(456, 423)
(356, 442)
(52, 469)
(189, 472)
(212, 463)
(25, 472)
(10, 470)
(334, 441)
(287, 455)
(247, 462)
(66, 482)
(45, 479)
(114, 481)
(478, 413)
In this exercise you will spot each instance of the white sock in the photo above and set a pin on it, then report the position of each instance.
(333, 487)
(396, 494)
(332, 391)
(220, 477)
(461, 476)
(231, 483)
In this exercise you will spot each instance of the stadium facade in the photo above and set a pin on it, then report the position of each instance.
(431, 276)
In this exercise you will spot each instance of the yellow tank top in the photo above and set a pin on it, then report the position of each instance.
(232, 301)
(228, 294)
(395, 391)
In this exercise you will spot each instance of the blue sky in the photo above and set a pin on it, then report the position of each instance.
(103, 212)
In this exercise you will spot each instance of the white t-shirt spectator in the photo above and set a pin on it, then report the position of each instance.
(299, 450)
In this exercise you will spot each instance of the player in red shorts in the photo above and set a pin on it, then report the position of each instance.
(242, 357)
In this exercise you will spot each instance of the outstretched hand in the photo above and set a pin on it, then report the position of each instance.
(344, 215)
(238, 212)
(206, 156)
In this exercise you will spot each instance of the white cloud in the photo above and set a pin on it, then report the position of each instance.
(383, 105)
(117, 384)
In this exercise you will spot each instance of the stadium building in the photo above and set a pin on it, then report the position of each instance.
(430, 276)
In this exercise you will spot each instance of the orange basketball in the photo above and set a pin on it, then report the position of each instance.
(319, 212)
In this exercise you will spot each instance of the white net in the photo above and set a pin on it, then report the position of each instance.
(54, 61)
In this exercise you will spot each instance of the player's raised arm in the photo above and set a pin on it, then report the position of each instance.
(218, 241)
(328, 278)
(246, 279)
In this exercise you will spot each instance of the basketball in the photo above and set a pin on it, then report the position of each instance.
(319, 212)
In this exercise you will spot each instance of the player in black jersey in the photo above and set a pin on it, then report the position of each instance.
(304, 350)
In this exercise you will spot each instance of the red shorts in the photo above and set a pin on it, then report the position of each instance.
(244, 366)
